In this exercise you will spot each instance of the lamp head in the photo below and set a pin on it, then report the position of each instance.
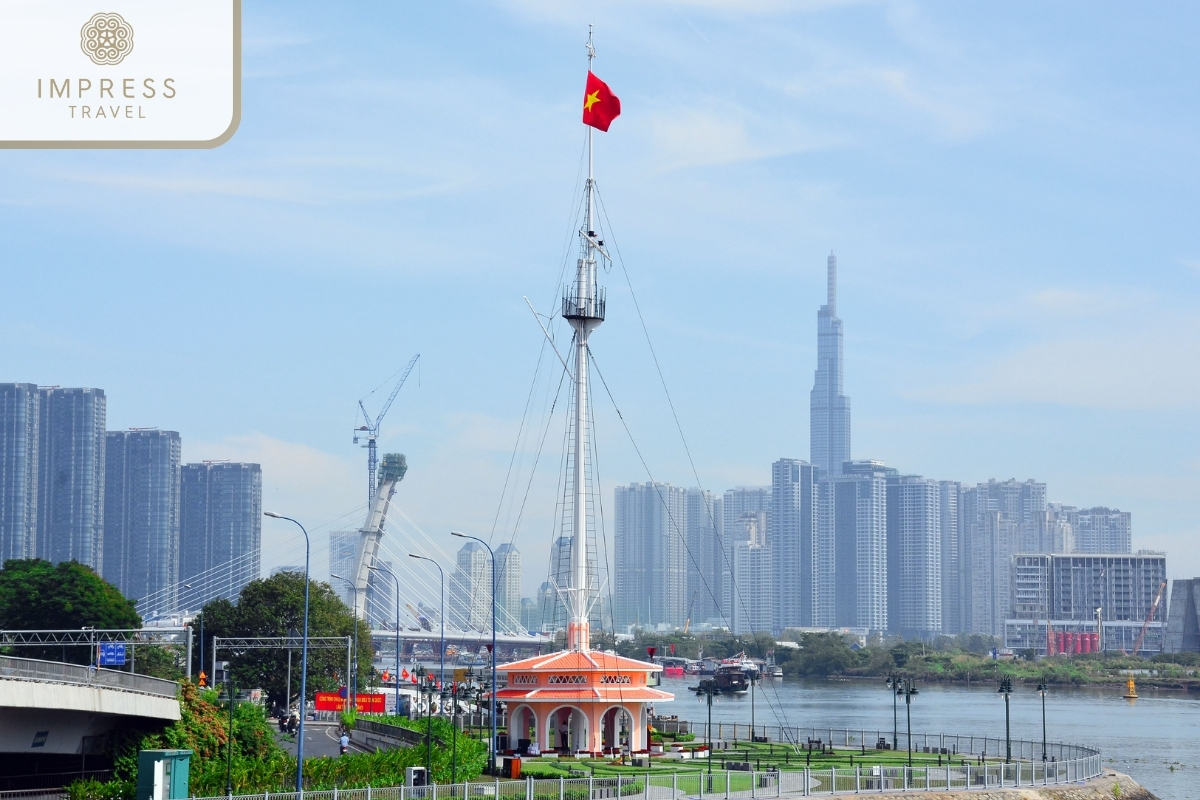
(459, 534)
(272, 514)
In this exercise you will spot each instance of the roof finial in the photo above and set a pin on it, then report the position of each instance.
(591, 49)
(831, 297)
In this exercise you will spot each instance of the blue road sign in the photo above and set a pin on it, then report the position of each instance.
(112, 654)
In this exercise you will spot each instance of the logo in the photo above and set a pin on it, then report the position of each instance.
(106, 39)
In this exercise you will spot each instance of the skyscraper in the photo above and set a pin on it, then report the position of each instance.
(952, 567)
(750, 588)
(508, 588)
(855, 521)
(829, 409)
(998, 519)
(220, 529)
(793, 545)
(1102, 530)
(914, 543)
(141, 516)
(704, 555)
(735, 504)
(70, 515)
(470, 590)
(19, 404)
(651, 555)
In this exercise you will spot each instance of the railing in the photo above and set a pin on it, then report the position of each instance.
(950, 744)
(1080, 763)
(30, 669)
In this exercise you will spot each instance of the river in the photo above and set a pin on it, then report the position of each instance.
(1155, 739)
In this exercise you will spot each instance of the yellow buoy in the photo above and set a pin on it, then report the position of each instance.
(1130, 690)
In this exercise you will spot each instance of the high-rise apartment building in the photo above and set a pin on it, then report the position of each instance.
(750, 580)
(343, 560)
(1101, 530)
(703, 554)
(19, 416)
(793, 542)
(650, 555)
(220, 529)
(141, 516)
(470, 589)
(736, 504)
(70, 515)
(998, 519)
(829, 408)
(953, 584)
(914, 544)
(508, 588)
(531, 618)
(855, 522)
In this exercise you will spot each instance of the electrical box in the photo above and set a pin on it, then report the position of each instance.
(163, 774)
(413, 776)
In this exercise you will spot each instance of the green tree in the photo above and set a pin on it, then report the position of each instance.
(274, 607)
(35, 594)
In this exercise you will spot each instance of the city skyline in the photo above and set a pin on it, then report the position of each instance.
(987, 336)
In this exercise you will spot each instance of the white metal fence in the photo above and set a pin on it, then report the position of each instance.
(1066, 763)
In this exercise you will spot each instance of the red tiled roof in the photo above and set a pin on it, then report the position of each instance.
(579, 661)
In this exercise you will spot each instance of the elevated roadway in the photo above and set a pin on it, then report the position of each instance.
(50, 707)
(508, 645)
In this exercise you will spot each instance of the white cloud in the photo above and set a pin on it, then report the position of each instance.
(1140, 368)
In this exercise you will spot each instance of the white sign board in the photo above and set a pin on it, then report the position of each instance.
(120, 73)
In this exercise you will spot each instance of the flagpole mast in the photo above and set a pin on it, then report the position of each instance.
(583, 307)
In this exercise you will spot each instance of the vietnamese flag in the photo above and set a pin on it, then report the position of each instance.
(600, 105)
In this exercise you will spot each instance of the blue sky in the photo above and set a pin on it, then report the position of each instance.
(1011, 190)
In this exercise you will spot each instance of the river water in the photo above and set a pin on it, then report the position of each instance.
(1155, 738)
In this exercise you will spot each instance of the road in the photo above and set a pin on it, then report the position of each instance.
(320, 739)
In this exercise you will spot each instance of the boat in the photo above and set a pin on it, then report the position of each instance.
(674, 667)
(728, 679)
(740, 660)
(692, 668)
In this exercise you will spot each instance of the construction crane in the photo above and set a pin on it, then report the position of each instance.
(370, 430)
(391, 472)
(687, 624)
(1149, 617)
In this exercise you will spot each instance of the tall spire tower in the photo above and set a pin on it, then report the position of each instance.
(583, 308)
(829, 409)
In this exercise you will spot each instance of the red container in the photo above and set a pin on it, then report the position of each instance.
(1095, 637)
(1061, 641)
(1076, 644)
(1086, 643)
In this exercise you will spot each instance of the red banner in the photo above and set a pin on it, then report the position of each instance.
(330, 701)
(370, 703)
(367, 703)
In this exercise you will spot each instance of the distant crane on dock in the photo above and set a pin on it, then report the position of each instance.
(370, 430)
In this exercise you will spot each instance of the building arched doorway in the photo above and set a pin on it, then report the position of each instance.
(522, 728)
(567, 729)
(616, 729)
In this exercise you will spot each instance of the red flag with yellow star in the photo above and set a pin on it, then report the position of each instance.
(600, 105)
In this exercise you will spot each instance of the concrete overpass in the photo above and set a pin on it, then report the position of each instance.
(50, 707)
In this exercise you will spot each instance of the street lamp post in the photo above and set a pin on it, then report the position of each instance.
(352, 679)
(1042, 689)
(893, 682)
(303, 658)
(454, 694)
(395, 677)
(442, 576)
(1006, 689)
(492, 701)
(908, 687)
